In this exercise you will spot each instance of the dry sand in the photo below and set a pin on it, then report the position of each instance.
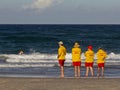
(59, 83)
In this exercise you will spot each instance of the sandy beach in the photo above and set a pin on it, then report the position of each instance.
(59, 83)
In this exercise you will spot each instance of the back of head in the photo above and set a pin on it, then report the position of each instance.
(60, 43)
(100, 49)
(90, 47)
(76, 45)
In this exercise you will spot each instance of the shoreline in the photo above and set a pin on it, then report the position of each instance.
(59, 83)
(111, 71)
(50, 77)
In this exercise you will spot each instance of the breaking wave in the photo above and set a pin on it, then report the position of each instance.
(46, 60)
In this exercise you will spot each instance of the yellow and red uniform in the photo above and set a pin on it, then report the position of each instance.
(61, 55)
(89, 54)
(76, 56)
(101, 55)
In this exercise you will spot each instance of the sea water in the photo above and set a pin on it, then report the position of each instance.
(40, 45)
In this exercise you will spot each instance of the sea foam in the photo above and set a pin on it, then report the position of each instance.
(46, 60)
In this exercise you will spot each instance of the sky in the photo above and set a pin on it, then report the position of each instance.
(59, 11)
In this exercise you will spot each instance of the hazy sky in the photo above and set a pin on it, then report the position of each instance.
(59, 11)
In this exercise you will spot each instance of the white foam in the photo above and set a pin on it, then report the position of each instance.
(45, 60)
(38, 56)
(25, 65)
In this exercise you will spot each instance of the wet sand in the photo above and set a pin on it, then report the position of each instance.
(59, 83)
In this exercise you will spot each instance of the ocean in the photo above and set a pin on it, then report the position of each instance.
(40, 45)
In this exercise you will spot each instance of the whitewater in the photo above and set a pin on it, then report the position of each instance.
(47, 60)
(40, 45)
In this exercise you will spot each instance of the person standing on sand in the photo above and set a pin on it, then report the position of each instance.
(89, 54)
(101, 55)
(61, 57)
(76, 59)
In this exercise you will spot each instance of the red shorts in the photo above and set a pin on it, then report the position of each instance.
(88, 64)
(76, 63)
(101, 65)
(61, 62)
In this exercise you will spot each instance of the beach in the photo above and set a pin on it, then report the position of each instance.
(14, 83)
(38, 69)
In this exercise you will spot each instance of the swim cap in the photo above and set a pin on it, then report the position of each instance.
(90, 47)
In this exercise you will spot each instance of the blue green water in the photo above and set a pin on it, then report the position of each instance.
(44, 38)
(40, 45)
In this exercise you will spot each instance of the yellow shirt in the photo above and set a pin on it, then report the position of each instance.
(89, 54)
(101, 55)
(61, 53)
(76, 54)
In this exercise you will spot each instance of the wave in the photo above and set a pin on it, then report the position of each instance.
(39, 56)
(46, 60)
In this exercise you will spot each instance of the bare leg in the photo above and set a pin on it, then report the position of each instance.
(87, 70)
(62, 71)
(98, 74)
(78, 67)
(92, 73)
(102, 71)
(75, 71)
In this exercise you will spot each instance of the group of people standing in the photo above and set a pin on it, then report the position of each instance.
(76, 59)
